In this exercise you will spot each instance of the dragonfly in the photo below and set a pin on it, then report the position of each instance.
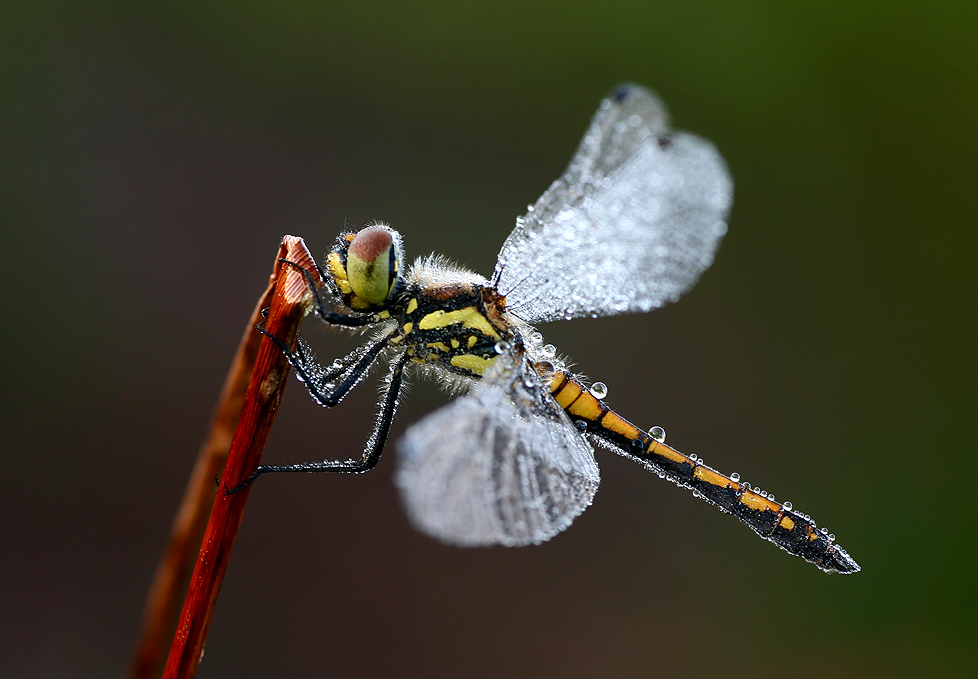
(631, 225)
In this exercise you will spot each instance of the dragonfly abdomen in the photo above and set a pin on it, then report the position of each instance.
(794, 532)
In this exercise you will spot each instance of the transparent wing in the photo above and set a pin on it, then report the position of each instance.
(632, 223)
(503, 465)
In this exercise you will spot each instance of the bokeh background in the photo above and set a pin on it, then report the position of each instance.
(154, 153)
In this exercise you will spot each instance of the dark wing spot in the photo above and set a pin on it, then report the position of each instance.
(665, 141)
(621, 93)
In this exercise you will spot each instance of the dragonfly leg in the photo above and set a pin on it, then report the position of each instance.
(373, 449)
(331, 317)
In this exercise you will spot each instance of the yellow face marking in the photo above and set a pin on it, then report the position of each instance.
(474, 364)
(755, 501)
(612, 422)
(408, 327)
(335, 266)
(438, 345)
(472, 340)
(358, 303)
(711, 477)
(469, 317)
(395, 339)
(412, 305)
(384, 314)
(454, 344)
(787, 523)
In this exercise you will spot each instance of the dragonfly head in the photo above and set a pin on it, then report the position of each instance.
(365, 266)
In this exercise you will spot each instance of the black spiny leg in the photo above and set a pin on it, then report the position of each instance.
(318, 378)
(375, 444)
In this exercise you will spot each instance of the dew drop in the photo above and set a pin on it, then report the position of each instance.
(658, 433)
(692, 456)
(547, 350)
(546, 368)
(824, 530)
(502, 347)
(535, 336)
(599, 390)
(299, 376)
(581, 424)
(787, 506)
(763, 493)
(735, 477)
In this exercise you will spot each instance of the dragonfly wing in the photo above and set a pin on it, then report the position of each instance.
(503, 465)
(632, 223)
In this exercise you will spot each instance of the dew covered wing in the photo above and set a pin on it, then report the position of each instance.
(502, 465)
(632, 223)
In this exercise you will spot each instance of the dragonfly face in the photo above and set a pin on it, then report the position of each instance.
(632, 223)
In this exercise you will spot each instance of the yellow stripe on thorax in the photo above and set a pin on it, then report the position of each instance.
(474, 364)
(469, 317)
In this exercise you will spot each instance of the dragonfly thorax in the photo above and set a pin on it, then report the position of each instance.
(452, 321)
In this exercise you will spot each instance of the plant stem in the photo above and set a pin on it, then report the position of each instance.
(288, 299)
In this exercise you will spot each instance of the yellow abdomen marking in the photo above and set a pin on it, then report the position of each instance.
(568, 393)
(711, 477)
(408, 327)
(662, 450)
(617, 424)
(469, 317)
(412, 305)
(587, 407)
(756, 502)
(787, 523)
(472, 363)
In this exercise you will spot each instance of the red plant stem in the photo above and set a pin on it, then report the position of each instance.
(290, 303)
(173, 572)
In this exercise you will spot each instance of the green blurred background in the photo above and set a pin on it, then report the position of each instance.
(154, 153)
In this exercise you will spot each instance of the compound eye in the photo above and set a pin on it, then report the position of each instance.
(371, 264)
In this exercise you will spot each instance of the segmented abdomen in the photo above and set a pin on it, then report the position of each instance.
(794, 532)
